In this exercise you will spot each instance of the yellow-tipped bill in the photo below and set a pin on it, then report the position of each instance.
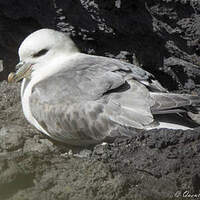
(23, 71)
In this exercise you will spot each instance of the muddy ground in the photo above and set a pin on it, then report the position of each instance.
(153, 165)
(161, 36)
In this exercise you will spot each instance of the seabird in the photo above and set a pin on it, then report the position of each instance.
(84, 99)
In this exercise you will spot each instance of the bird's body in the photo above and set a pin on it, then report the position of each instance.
(28, 85)
(83, 99)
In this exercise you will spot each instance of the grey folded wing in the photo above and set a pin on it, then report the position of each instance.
(173, 103)
(91, 99)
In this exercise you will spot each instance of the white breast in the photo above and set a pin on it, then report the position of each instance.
(26, 90)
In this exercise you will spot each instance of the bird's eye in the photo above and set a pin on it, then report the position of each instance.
(40, 53)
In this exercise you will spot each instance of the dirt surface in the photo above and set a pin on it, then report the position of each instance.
(152, 165)
(162, 36)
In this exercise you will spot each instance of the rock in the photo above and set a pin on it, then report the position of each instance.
(149, 34)
(1, 65)
(85, 153)
(11, 137)
(162, 158)
(162, 36)
(40, 146)
(184, 73)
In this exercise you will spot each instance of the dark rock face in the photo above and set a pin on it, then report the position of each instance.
(153, 33)
(162, 36)
(12, 33)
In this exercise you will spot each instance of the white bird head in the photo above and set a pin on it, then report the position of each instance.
(39, 47)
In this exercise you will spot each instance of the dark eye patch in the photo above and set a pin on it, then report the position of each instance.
(40, 53)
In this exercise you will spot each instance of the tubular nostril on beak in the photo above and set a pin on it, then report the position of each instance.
(20, 64)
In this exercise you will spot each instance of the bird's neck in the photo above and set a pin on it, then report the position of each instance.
(51, 66)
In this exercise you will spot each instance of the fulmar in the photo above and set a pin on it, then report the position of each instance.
(82, 99)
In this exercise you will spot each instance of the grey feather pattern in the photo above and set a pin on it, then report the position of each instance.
(90, 100)
(93, 98)
(167, 102)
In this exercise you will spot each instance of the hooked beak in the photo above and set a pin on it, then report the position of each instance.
(23, 71)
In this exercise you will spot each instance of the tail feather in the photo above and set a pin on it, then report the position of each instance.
(173, 103)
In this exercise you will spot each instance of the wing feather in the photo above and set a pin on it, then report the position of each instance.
(91, 99)
(172, 103)
(94, 97)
